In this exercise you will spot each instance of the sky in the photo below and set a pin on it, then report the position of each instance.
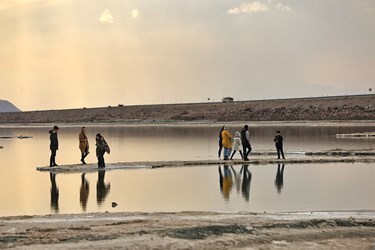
(61, 54)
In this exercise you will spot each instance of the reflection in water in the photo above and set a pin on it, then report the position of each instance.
(54, 193)
(246, 180)
(102, 189)
(279, 181)
(84, 192)
(237, 179)
(226, 181)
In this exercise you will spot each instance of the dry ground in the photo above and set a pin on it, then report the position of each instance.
(298, 109)
(191, 230)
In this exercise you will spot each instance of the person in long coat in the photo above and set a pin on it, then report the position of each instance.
(83, 144)
(53, 146)
(227, 142)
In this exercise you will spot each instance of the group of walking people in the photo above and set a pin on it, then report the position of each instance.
(102, 146)
(242, 141)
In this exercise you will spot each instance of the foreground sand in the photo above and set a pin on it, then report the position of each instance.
(191, 230)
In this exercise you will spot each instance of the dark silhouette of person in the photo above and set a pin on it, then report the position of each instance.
(54, 145)
(237, 179)
(279, 144)
(84, 192)
(279, 181)
(83, 144)
(54, 193)
(220, 142)
(245, 139)
(102, 189)
(101, 148)
(246, 180)
(226, 181)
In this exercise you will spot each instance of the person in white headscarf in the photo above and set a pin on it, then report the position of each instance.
(237, 145)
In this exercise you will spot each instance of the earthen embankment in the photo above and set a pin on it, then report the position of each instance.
(347, 108)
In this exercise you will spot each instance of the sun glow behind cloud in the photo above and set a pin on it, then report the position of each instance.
(135, 13)
(249, 8)
(106, 16)
(257, 7)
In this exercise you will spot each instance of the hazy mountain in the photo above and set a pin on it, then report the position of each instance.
(6, 106)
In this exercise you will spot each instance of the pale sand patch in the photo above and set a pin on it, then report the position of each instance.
(191, 230)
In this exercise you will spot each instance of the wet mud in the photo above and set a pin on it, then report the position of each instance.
(330, 156)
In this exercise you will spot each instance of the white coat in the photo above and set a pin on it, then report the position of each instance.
(237, 145)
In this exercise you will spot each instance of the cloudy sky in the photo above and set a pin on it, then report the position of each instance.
(57, 54)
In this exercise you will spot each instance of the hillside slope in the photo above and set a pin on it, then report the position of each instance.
(6, 106)
(361, 107)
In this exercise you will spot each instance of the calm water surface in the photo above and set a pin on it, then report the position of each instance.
(210, 188)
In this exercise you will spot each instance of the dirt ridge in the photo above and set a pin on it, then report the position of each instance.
(356, 107)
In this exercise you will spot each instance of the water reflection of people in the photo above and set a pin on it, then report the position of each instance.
(226, 181)
(102, 189)
(84, 192)
(246, 180)
(279, 181)
(237, 179)
(54, 193)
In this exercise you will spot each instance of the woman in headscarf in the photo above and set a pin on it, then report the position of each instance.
(83, 144)
(227, 142)
(101, 148)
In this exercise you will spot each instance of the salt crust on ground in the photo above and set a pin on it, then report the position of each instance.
(191, 230)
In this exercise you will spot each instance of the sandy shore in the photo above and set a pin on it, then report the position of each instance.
(191, 230)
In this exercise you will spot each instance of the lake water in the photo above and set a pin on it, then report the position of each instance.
(256, 188)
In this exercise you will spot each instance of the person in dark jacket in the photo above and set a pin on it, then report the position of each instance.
(245, 139)
(101, 148)
(220, 142)
(279, 144)
(54, 145)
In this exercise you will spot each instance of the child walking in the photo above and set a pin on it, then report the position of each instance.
(237, 145)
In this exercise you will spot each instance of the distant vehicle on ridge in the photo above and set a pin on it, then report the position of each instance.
(227, 99)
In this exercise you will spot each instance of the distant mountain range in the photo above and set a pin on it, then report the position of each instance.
(6, 106)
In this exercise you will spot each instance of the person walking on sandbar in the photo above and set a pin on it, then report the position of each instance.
(83, 144)
(279, 144)
(220, 142)
(54, 146)
(227, 142)
(245, 139)
(236, 145)
(101, 148)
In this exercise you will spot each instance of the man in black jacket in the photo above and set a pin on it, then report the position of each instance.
(54, 145)
(245, 139)
(279, 144)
